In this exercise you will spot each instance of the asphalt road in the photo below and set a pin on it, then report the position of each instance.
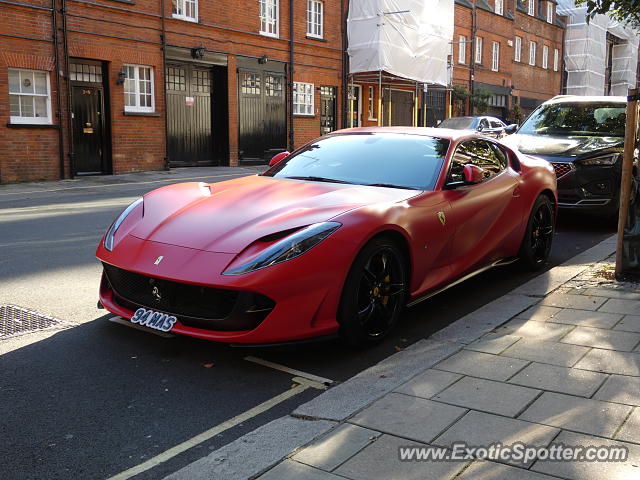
(98, 398)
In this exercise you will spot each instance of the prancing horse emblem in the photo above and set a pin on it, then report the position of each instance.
(156, 294)
(442, 218)
(158, 260)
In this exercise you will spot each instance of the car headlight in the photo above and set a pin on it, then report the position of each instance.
(109, 236)
(289, 247)
(601, 161)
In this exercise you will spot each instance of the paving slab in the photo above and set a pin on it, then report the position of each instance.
(630, 431)
(484, 429)
(620, 389)
(629, 323)
(577, 414)
(580, 302)
(600, 338)
(591, 470)
(483, 365)
(609, 361)
(429, 383)
(586, 318)
(488, 396)
(482, 470)
(493, 343)
(410, 417)
(546, 352)
(380, 461)
(559, 379)
(291, 470)
(612, 293)
(539, 313)
(337, 446)
(546, 331)
(550, 280)
(626, 307)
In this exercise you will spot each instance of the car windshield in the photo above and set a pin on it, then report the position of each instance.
(564, 119)
(376, 159)
(458, 123)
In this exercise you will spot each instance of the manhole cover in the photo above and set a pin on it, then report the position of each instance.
(15, 320)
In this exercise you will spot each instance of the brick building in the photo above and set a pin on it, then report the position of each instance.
(112, 86)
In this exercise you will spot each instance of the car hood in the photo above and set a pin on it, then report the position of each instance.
(238, 212)
(574, 146)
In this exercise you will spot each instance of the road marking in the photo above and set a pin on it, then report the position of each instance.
(293, 371)
(127, 323)
(303, 384)
(127, 183)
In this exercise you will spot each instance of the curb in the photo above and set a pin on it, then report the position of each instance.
(256, 452)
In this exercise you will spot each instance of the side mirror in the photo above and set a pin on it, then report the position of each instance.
(278, 157)
(472, 174)
(509, 129)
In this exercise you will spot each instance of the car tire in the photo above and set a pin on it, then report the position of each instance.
(374, 293)
(538, 236)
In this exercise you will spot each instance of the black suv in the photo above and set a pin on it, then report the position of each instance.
(583, 138)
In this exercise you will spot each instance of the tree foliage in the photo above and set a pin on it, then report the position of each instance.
(625, 11)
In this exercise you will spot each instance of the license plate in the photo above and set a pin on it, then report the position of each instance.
(157, 320)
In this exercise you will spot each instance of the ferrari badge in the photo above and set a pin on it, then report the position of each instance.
(442, 218)
(158, 260)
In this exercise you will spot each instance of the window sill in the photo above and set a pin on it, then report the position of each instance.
(33, 125)
(317, 39)
(130, 2)
(304, 115)
(141, 114)
(186, 19)
(270, 35)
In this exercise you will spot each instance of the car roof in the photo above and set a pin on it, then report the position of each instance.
(446, 133)
(586, 99)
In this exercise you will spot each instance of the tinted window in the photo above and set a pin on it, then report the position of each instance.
(408, 161)
(484, 154)
(563, 119)
(497, 124)
(458, 123)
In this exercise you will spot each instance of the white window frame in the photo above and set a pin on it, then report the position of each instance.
(499, 7)
(33, 120)
(306, 107)
(270, 25)
(550, 9)
(531, 7)
(532, 53)
(556, 59)
(478, 53)
(137, 107)
(495, 56)
(372, 102)
(545, 56)
(181, 5)
(315, 8)
(517, 52)
(462, 49)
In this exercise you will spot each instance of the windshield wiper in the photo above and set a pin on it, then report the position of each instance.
(390, 185)
(319, 179)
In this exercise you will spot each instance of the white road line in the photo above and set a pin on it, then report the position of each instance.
(127, 323)
(127, 183)
(303, 384)
(293, 371)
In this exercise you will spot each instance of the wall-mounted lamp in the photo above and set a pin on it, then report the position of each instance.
(198, 52)
(263, 59)
(121, 78)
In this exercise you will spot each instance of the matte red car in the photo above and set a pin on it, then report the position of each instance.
(336, 238)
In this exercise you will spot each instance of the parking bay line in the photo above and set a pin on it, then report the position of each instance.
(303, 384)
(293, 371)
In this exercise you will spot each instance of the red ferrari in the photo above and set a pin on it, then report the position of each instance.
(335, 238)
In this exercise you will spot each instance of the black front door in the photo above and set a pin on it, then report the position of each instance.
(262, 115)
(189, 117)
(397, 106)
(327, 109)
(88, 129)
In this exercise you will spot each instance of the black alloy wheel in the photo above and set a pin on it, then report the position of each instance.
(538, 237)
(374, 293)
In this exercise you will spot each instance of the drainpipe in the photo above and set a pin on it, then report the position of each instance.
(163, 39)
(472, 70)
(54, 24)
(291, 132)
(65, 38)
(345, 63)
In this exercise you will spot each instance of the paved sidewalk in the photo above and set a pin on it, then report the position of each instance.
(557, 361)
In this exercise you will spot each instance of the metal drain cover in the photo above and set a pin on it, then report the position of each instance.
(16, 320)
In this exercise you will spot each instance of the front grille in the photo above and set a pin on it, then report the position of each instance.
(561, 168)
(179, 299)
